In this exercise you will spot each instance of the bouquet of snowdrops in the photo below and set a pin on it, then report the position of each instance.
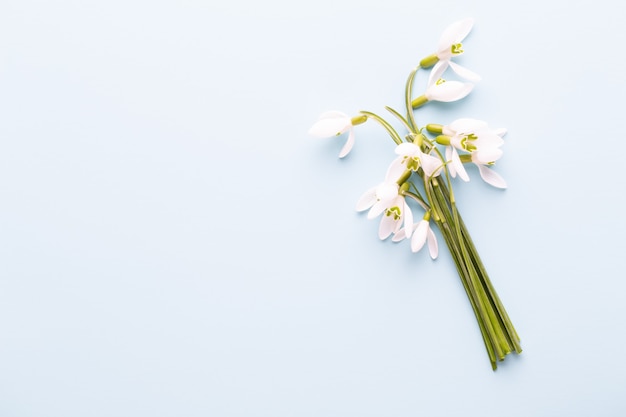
(427, 158)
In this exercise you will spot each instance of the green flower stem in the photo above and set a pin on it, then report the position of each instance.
(455, 251)
(507, 337)
(454, 245)
(511, 332)
(438, 213)
(498, 332)
(418, 198)
(405, 176)
(404, 121)
(485, 307)
(394, 135)
(456, 256)
(416, 193)
(408, 92)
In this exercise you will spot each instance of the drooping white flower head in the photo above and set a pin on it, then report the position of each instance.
(334, 123)
(475, 137)
(450, 46)
(385, 198)
(411, 157)
(482, 143)
(446, 91)
(439, 89)
(422, 234)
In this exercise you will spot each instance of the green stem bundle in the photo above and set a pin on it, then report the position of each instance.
(498, 333)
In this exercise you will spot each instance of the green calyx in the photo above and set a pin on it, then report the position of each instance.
(418, 139)
(357, 120)
(435, 128)
(419, 101)
(429, 61)
(443, 140)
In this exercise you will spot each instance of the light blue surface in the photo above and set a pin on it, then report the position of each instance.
(172, 243)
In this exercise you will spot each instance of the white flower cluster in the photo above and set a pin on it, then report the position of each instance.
(464, 140)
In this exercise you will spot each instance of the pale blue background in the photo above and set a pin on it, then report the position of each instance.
(172, 243)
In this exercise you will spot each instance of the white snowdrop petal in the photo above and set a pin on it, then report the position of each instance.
(348, 145)
(406, 149)
(387, 191)
(367, 200)
(395, 170)
(464, 72)
(449, 91)
(327, 128)
(488, 140)
(419, 236)
(399, 236)
(433, 247)
(455, 33)
(387, 226)
(491, 177)
(408, 219)
(431, 165)
(451, 166)
(437, 71)
(458, 166)
(333, 114)
(377, 208)
(487, 155)
(466, 125)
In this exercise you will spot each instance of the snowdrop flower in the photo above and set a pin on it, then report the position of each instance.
(411, 157)
(422, 234)
(477, 139)
(334, 123)
(441, 90)
(450, 46)
(488, 175)
(385, 198)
